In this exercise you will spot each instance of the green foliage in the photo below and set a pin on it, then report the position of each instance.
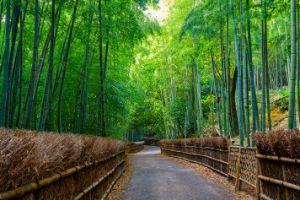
(170, 78)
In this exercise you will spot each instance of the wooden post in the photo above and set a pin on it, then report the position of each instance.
(228, 157)
(286, 191)
(238, 171)
(258, 181)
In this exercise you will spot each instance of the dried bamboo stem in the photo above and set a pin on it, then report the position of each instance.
(265, 197)
(279, 182)
(276, 158)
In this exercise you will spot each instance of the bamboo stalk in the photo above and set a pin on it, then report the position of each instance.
(276, 158)
(279, 182)
(238, 171)
(31, 187)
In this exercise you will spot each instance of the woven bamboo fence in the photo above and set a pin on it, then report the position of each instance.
(278, 177)
(233, 162)
(92, 180)
(213, 158)
(134, 147)
(151, 141)
(242, 166)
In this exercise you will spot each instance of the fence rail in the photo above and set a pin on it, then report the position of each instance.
(37, 189)
(215, 159)
(278, 177)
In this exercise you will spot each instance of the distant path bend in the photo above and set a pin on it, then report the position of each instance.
(157, 178)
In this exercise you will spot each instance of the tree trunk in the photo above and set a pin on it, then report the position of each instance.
(5, 65)
(239, 77)
(234, 117)
(255, 116)
(29, 107)
(101, 115)
(199, 100)
(47, 100)
(64, 68)
(292, 82)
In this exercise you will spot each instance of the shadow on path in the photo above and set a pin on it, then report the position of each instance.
(157, 178)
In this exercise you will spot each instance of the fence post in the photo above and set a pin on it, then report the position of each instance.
(286, 191)
(258, 183)
(228, 157)
(238, 171)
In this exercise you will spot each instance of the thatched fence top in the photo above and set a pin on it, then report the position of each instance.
(210, 152)
(30, 161)
(278, 161)
(210, 142)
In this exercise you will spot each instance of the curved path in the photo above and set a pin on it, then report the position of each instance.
(157, 178)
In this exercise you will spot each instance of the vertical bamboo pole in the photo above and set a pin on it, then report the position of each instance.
(258, 181)
(238, 171)
(286, 191)
(228, 157)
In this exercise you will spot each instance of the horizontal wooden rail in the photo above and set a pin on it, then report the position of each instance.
(276, 158)
(112, 184)
(265, 197)
(21, 191)
(195, 154)
(239, 147)
(279, 182)
(196, 147)
(95, 184)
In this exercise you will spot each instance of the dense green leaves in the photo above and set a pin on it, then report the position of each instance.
(167, 68)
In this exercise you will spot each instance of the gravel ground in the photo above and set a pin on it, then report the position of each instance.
(158, 178)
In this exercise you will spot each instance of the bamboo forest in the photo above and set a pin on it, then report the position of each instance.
(215, 83)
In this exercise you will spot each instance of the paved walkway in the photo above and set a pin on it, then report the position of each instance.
(157, 178)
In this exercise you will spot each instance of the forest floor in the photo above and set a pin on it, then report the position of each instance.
(156, 177)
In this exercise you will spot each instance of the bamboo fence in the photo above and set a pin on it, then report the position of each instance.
(134, 147)
(213, 158)
(236, 162)
(272, 177)
(278, 177)
(90, 181)
(242, 166)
